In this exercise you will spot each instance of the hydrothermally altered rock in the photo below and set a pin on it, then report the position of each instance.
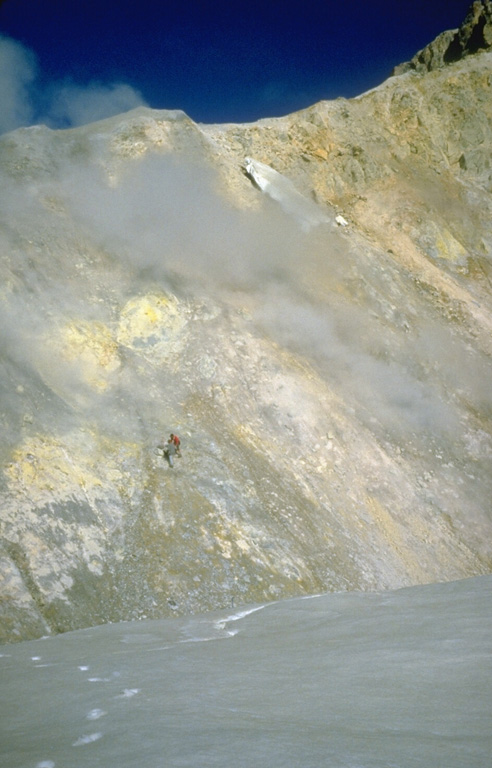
(305, 301)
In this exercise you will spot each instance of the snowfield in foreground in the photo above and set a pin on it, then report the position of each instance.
(396, 679)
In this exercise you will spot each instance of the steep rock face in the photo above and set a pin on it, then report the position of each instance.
(330, 383)
(474, 35)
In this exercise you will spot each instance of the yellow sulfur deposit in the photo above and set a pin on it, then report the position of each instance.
(149, 323)
(44, 465)
(93, 347)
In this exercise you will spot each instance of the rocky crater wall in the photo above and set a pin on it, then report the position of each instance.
(329, 375)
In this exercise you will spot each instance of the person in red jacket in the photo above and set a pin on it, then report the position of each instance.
(177, 443)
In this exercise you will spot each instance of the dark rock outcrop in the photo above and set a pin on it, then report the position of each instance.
(474, 35)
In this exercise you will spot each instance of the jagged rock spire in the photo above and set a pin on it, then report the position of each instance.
(473, 36)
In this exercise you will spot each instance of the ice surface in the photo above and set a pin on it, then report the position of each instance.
(383, 680)
(95, 714)
(83, 740)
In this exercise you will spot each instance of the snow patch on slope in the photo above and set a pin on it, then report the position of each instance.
(283, 191)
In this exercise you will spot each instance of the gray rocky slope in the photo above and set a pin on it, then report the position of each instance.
(314, 322)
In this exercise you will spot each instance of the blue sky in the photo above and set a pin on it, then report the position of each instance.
(66, 62)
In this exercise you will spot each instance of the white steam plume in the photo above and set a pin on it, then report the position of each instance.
(18, 71)
(65, 104)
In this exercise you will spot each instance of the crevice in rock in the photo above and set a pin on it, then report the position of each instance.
(19, 558)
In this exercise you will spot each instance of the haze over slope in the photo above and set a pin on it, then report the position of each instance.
(330, 383)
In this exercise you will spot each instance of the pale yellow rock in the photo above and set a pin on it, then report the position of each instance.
(43, 464)
(151, 325)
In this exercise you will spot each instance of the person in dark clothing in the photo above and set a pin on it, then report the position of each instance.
(168, 451)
